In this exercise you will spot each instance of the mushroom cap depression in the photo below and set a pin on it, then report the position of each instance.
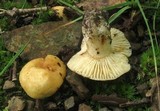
(104, 51)
(42, 77)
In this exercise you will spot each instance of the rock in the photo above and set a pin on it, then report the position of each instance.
(46, 38)
(117, 109)
(51, 106)
(30, 105)
(69, 103)
(77, 85)
(104, 109)
(8, 85)
(16, 103)
(84, 107)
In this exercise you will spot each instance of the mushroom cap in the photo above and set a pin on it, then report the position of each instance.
(42, 77)
(102, 61)
(59, 11)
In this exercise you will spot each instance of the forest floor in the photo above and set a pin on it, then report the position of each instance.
(35, 28)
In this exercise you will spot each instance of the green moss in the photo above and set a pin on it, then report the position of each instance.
(4, 23)
(121, 88)
(147, 64)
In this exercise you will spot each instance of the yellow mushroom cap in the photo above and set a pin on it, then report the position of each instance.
(42, 77)
(59, 11)
(104, 51)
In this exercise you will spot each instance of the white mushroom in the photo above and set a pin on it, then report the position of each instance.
(104, 50)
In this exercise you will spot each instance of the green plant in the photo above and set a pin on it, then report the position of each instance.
(12, 59)
(8, 5)
(147, 64)
(127, 90)
(5, 109)
(69, 1)
(2, 97)
(139, 109)
(2, 94)
(41, 17)
(5, 55)
(152, 46)
(4, 23)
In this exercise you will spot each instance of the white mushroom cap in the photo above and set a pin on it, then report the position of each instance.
(103, 55)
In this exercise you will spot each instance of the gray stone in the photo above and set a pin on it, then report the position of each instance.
(104, 109)
(46, 38)
(51, 106)
(8, 85)
(16, 103)
(69, 103)
(84, 107)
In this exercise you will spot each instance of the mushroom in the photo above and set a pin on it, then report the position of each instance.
(104, 51)
(59, 10)
(42, 77)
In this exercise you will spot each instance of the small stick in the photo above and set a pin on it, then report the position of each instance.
(14, 71)
(135, 103)
(109, 100)
(16, 11)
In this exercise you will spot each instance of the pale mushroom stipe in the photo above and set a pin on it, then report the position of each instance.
(42, 77)
(104, 51)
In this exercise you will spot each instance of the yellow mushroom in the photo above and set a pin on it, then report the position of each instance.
(60, 12)
(42, 77)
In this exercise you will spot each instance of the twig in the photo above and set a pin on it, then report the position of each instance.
(119, 102)
(16, 11)
(14, 71)
(135, 103)
(109, 100)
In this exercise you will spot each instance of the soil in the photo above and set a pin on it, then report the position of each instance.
(77, 93)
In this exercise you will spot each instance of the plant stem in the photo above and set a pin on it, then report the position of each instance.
(153, 48)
